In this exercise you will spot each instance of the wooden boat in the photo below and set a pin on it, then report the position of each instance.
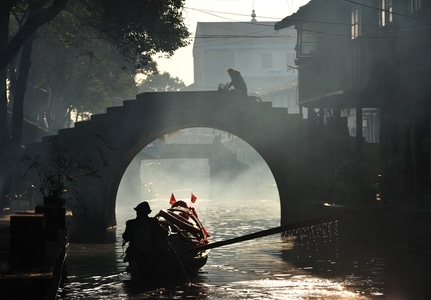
(177, 260)
(186, 232)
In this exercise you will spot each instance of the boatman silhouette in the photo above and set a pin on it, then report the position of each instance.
(145, 236)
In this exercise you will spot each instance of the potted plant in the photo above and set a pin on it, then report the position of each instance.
(56, 170)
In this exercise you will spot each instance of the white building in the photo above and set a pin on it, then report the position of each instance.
(263, 56)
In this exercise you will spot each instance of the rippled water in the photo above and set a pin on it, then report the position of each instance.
(312, 263)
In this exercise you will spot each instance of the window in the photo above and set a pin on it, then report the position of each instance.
(415, 5)
(355, 23)
(386, 12)
(306, 44)
(266, 59)
(390, 11)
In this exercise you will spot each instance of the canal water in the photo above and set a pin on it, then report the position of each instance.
(310, 263)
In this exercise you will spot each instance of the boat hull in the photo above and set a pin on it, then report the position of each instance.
(167, 268)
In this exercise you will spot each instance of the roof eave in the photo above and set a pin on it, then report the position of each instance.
(285, 23)
(295, 18)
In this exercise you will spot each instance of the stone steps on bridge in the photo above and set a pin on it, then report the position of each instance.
(116, 113)
(112, 113)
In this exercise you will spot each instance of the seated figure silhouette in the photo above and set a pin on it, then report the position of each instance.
(237, 81)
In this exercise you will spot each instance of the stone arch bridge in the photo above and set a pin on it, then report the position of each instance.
(276, 135)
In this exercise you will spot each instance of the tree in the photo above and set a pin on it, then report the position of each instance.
(161, 82)
(138, 29)
(44, 11)
(67, 82)
(34, 15)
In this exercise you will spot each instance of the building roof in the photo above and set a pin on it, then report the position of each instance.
(303, 14)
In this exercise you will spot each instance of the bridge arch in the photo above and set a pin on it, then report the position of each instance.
(211, 163)
(274, 134)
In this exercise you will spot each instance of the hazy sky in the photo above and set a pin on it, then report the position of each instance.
(181, 64)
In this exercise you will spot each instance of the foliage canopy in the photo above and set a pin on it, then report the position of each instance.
(138, 28)
(87, 57)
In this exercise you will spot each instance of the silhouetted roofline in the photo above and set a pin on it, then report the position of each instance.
(298, 16)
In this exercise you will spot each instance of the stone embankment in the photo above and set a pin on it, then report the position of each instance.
(31, 264)
(399, 224)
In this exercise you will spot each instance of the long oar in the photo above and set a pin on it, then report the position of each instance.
(270, 231)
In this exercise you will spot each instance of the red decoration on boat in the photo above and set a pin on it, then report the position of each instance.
(172, 200)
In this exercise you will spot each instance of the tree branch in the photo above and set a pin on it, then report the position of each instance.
(30, 27)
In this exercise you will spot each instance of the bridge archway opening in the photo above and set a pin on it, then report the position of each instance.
(215, 165)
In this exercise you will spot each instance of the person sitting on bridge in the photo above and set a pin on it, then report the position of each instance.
(237, 81)
(145, 236)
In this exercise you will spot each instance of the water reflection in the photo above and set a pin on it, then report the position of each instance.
(311, 263)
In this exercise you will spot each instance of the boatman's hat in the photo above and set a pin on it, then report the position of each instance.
(143, 207)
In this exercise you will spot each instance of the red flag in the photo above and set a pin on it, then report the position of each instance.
(194, 198)
(172, 200)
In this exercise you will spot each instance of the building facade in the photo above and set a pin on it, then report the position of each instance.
(371, 60)
(262, 55)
